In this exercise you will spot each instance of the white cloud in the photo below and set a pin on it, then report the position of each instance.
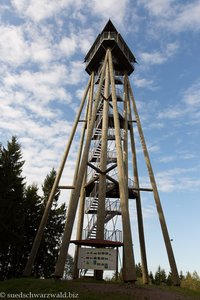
(192, 96)
(156, 57)
(187, 17)
(113, 9)
(41, 53)
(16, 48)
(39, 10)
(157, 7)
(47, 85)
(68, 46)
(174, 179)
(78, 41)
(76, 71)
(172, 113)
(189, 105)
(36, 80)
(167, 159)
(13, 47)
(174, 16)
(149, 211)
(153, 148)
(177, 179)
(20, 5)
(42, 87)
(143, 82)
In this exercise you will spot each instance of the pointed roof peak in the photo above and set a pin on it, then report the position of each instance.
(109, 27)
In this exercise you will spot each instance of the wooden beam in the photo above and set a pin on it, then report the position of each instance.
(66, 187)
(142, 189)
(95, 168)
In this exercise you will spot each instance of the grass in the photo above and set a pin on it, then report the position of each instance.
(71, 289)
(180, 290)
(79, 289)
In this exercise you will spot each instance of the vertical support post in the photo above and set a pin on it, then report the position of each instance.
(40, 232)
(79, 227)
(138, 199)
(82, 195)
(59, 269)
(165, 233)
(91, 95)
(125, 136)
(103, 163)
(117, 272)
(129, 263)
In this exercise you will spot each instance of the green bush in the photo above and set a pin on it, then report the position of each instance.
(191, 281)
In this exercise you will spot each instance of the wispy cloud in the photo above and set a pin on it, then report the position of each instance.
(173, 16)
(186, 18)
(166, 159)
(191, 96)
(175, 179)
(116, 10)
(39, 11)
(143, 82)
(13, 47)
(158, 57)
(178, 179)
(158, 7)
(189, 105)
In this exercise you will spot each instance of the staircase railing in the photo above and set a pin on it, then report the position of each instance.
(115, 236)
(90, 227)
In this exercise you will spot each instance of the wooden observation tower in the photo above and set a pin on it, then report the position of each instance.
(101, 187)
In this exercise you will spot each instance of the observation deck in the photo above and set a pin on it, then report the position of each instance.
(123, 58)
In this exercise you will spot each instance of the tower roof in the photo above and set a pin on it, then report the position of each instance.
(110, 38)
(109, 27)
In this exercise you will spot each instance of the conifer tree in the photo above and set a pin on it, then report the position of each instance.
(138, 270)
(151, 278)
(160, 276)
(32, 219)
(48, 251)
(21, 209)
(11, 208)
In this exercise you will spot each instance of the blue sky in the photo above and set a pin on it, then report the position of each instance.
(42, 77)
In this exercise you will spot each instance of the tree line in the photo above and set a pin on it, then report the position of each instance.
(160, 277)
(21, 209)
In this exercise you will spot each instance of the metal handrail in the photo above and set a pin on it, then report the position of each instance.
(112, 205)
(115, 236)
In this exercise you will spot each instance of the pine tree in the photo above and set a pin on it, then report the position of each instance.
(21, 209)
(11, 208)
(169, 280)
(151, 278)
(138, 268)
(160, 276)
(32, 207)
(182, 277)
(48, 251)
